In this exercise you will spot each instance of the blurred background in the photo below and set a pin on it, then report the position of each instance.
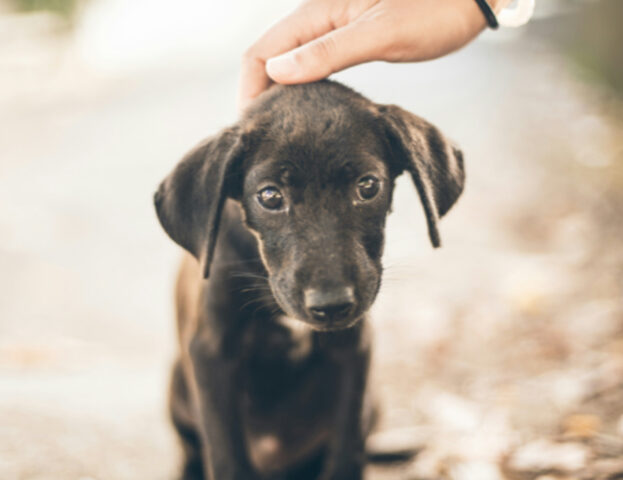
(500, 355)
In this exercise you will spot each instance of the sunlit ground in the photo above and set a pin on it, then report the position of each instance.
(501, 353)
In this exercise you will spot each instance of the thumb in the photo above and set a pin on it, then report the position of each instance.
(335, 51)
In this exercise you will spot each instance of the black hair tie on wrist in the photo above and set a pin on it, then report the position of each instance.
(489, 14)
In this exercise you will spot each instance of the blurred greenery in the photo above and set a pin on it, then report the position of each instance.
(593, 38)
(66, 8)
(599, 41)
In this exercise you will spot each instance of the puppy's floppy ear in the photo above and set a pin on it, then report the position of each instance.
(435, 165)
(190, 200)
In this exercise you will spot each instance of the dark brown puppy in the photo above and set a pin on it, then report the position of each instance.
(285, 212)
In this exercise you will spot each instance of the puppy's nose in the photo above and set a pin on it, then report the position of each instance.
(331, 304)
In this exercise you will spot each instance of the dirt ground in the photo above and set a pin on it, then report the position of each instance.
(500, 355)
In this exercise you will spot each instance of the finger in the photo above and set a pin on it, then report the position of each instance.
(253, 81)
(307, 22)
(350, 45)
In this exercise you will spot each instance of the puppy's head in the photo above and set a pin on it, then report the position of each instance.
(313, 167)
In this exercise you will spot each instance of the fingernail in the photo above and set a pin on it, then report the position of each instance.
(282, 67)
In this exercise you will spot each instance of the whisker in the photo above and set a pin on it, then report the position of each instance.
(240, 274)
(255, 288)
(264, 299)
(251, 302)
(258, 293)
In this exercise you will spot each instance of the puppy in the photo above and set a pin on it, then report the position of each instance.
(283, 215)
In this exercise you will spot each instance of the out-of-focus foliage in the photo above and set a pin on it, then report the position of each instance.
(598, 38)
(592, 36)
(65, 8)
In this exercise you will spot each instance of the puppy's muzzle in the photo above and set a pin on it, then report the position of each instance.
(330, 305)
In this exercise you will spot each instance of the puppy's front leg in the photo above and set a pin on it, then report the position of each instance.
(346, 455)
(216, 374)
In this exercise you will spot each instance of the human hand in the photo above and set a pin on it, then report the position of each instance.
(325, 36)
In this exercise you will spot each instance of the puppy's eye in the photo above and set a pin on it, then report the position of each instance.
(368, 187)
(270, 198)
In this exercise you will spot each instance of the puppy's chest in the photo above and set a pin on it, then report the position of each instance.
(279, 355)
(287, 394)
(279, 340)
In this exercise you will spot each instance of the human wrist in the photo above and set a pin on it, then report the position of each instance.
(490, 9)
(511, 16)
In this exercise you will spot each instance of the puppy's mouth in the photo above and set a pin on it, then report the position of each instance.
(322, 321)
(331, 326)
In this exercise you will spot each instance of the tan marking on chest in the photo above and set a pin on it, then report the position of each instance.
(301, 337)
